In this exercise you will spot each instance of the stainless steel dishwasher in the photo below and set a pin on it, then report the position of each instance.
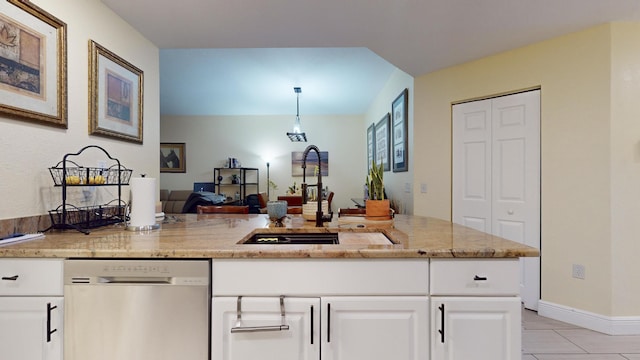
(137, 309)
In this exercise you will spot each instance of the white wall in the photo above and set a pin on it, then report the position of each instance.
(398, 185)
(254, 140)
(29, 149)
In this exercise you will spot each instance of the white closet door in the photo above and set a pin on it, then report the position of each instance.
(496, 174)
(516, 181)
(472, 165)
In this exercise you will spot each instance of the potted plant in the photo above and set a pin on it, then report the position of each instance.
(293, 190)
(377, 207)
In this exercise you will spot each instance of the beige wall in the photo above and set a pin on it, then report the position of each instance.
(254, 140)
(625, 167)
(590, 156)
(29, 149)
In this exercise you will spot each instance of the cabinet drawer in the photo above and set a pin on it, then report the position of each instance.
(313, 277)
(30, 277)
(475, 277)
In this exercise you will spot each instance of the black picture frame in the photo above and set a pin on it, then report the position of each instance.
(371, 144)
(382, 141)
(400, 130)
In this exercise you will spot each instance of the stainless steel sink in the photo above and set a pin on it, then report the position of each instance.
(294, 238)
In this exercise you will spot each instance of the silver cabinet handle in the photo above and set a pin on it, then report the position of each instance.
(239, 328)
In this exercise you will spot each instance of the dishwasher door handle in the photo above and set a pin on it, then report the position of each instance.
(134, 280)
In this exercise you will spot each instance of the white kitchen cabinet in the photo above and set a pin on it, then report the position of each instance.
(375, 327)
(345, 327)
(475, 328)
(475, 309)
(349, 308)
(31, 309)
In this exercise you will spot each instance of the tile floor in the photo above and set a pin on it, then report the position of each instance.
(547, 339)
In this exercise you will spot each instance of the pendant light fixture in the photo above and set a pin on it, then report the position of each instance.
(297, 135)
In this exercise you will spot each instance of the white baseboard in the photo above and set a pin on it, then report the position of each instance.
(611, 325)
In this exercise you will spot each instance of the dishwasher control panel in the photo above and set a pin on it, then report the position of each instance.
(157, 272)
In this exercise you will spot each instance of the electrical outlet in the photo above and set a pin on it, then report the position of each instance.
(423, 188)
(407, 187)
(578, 271)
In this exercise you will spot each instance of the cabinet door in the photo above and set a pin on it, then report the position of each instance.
(475, 328)
(300, 342)
(372, 328)
(25, 323)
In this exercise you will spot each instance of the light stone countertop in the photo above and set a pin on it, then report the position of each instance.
(219, 235)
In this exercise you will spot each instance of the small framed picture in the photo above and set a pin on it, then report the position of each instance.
(312, 163)
(115, 96)
(382, 142)
(173, 158)
(400, 130)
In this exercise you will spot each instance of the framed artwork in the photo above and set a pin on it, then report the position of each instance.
(382, 142)
(173, 158)
(312, 162)
(33, 64)
(400, 126)
(371, 145)
(115, 96)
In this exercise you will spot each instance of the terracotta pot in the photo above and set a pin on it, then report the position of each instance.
(377, 210)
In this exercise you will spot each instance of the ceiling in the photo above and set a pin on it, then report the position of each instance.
(245, 56)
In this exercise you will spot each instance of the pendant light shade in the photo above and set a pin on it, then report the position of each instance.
(297, 135)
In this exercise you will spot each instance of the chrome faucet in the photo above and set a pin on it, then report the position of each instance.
(318, 185)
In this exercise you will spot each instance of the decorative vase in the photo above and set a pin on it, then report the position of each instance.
(377, 210)
(277, 211)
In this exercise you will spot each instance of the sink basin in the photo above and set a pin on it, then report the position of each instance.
(325, 238)
(294, 238)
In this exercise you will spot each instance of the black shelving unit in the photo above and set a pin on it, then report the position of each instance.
(222, 178)
(68, 173)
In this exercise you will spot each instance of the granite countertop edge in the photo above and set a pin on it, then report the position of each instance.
(191, 236)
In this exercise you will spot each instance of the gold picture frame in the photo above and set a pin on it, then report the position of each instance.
(33, 64)
(115, 96)
(173, 158)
